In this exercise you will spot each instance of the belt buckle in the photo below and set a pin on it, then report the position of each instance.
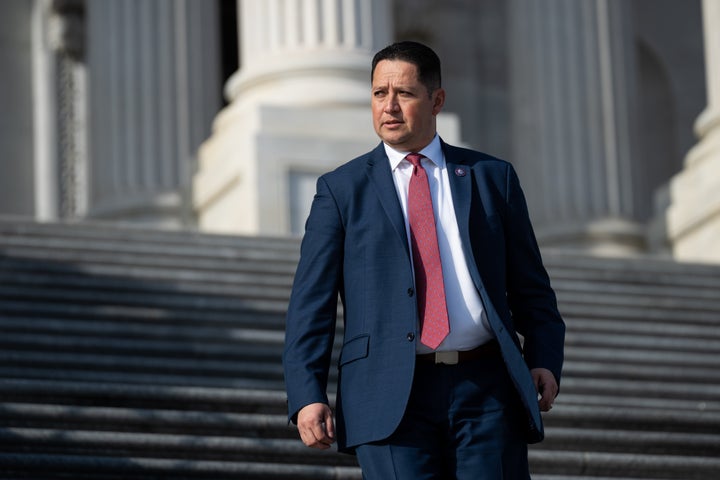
(448, 358)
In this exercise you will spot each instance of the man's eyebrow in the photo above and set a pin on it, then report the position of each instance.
(395, 87)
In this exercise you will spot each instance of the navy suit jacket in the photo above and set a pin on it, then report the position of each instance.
(356, 245)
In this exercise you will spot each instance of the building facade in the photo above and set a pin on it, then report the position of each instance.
(219, 115)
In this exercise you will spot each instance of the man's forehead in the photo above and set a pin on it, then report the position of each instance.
(387, 70)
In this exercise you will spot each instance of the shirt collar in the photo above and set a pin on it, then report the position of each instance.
(433, 152)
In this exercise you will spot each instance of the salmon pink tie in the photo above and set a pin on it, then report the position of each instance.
(434, 325)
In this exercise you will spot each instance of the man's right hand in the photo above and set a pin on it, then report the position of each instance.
(316, 426)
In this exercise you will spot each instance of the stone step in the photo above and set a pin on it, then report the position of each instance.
(234, 448)
(240, 381)
(682, 277)
(188, 349)
(33, 256)
(658, 359)
(702, 392)
(144, 299)
(272, 288)
(221, 272)
(121, 285)
(267, 376)
(128, 339)
(639, 314)
(96, 232)
(654, 348)
(289, 450)
(268, 299)
(55, 466)
(139, 263)
(637, 417)
(650, 434)
(597, 304)
(241, 251)
(601, 302)
(256, 353)
(562, 265)
(190, 277)
(204, 312)
(231, 447)
(570, 464)
(132, 353)
(131, 395)
(165, 445)
(643, 415)
(154, 327)
(598, 464)
(171, 335)
(583, 477)
(197, 422)
(637, 269)
(571, 286)
(678, 329)
(624, 371)
(140, 313)
(632, 441)
(258, 342)
(595, 403)
(648, 342)
(238, 363)
(232, 361)
(263, 299)
(184, 242)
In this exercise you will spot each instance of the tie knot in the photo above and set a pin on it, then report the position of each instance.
(414, 158)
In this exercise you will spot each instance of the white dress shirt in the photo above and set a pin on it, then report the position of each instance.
(469, 327)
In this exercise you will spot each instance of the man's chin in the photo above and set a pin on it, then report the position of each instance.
(394, 139)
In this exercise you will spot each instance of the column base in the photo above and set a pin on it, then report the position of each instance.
(609, 237)
(163, 210)
(694, 214)
(246, 166)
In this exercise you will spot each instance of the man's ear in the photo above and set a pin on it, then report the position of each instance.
(438, 97)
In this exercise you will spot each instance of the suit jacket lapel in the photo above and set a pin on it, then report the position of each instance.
(461, 184)
(380, 176)
(460, 179)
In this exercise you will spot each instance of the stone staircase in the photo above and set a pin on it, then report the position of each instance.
(137, 354)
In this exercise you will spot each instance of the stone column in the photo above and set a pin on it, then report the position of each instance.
(288, 47)
(694, 214)
(16, 121)
(154, 89)
(59, 85)
(574, 116)
(299, 107)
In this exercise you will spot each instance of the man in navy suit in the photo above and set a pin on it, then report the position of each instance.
(412, 408)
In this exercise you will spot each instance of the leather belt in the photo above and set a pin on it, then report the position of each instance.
(489, 349)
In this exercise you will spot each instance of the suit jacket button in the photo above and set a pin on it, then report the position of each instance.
(411, 292)
(410, 336)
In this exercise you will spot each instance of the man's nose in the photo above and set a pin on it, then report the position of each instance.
(391, 105)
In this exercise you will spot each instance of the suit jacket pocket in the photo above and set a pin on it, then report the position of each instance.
(354, 349)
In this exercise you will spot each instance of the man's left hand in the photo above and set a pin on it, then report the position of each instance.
(546, 386)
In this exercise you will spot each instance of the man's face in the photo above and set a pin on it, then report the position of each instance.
(403, 110)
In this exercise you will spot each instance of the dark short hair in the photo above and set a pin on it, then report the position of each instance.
(422, 56)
